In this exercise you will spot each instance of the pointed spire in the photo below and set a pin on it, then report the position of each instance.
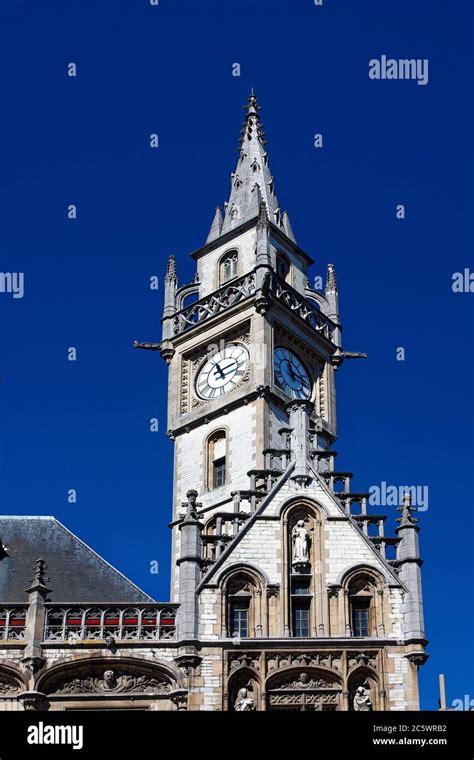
(216, 225)
(287, 227)
(171, 269)
(252, 171)
(407, 510)
(331, 282)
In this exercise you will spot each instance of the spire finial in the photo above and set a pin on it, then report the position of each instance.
(40, 572)
(407, 510)
(331, 282)
(252, 105)
(171, 268)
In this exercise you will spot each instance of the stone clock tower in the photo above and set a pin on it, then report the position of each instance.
(290, 594)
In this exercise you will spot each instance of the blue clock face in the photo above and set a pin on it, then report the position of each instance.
(290, 374)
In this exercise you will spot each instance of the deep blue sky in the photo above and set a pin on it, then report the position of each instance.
(143, 69)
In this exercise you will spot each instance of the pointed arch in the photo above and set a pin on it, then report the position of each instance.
(241, 602)
(216, 453)
(228, 266)
(304, 688)
(363, 589)
(304, 601)
(365, 678)
(243, 690)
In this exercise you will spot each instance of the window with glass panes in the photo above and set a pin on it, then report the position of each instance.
(229, 266)
(360, 617)
(239, 618)
(219, 472)
(301, 610)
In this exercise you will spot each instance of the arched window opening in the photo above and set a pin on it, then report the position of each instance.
(216, 458)
(282, 267)
(228, 267)
(240, 612)
(189, 299)
(361, 599)
(302, 565)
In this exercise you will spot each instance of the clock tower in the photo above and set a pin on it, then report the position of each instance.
(288, 598)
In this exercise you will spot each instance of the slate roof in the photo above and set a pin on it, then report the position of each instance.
(76, 572)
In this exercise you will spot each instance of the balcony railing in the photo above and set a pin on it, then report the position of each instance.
(230, 294)
(303, 307)
(13, 623)
(97, 623)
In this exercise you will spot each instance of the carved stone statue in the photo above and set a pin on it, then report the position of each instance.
(300, 536)
(362, 700)
(244, 701)
(110, 681)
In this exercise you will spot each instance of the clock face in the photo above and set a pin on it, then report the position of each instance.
(222, 372)
(290, 374)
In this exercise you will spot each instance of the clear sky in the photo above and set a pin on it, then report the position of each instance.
(84, 425)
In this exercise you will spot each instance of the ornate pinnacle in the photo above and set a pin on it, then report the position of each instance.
(331, 282)
(192, 505)
(171, 268)
(407, 510)
(252, 126)
(252, 104)
(40, 573)
(262, 215)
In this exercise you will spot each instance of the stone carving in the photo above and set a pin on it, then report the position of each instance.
(8, 687)
(244, 702)
(185, 386)
(284, 660)
(115, 682)
(361, 658)
(33, 664)
(244, 660)
(362, 701)
(305, 681)
(304, 700)
(301, 541)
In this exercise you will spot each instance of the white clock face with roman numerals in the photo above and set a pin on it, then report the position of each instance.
(222, 372)
(290, 374)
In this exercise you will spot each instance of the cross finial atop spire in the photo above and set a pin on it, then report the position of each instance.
(252, 105)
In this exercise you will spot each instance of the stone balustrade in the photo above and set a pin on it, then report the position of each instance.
(96, 622)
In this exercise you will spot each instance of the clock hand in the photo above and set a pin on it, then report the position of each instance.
(227, 367)
(216, 367)
(294, 375)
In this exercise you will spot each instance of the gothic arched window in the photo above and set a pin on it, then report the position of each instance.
(216, 459)
(362, 607)
(240, 607)
(302, 611)
(228, 267)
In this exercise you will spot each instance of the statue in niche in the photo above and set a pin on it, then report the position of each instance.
(362, 700)
(244, 702)
(301, 541)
